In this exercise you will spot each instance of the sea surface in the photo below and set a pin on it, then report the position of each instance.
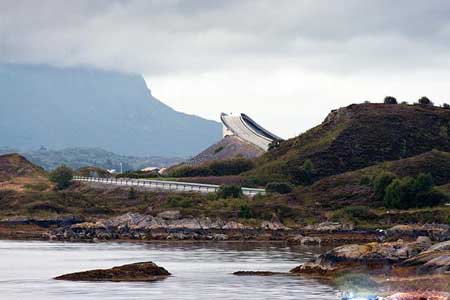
(200, 271)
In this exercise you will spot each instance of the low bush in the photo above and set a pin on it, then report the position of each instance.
(138, 174)
(62, 177)
(226, 167)
(390, 100)
(279, 187)
(245, 212)
(229, 191)
(179, 201)
(425, 101)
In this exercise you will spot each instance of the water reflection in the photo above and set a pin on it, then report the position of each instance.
(201, 271)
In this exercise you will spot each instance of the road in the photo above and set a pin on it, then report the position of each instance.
(166, 185)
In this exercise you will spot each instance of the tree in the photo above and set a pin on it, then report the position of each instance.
(425, 101)
(390, 100)
(229, 191)
(446, 106)
(380, 182)
(62, 176)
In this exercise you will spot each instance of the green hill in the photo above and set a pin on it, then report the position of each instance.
(355, 137)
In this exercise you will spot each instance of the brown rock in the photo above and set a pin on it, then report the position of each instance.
(143, 271)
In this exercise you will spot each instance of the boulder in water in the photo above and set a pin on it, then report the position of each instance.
(143, 271)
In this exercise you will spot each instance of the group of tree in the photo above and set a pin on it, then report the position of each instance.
(425, 101)
(407, 192)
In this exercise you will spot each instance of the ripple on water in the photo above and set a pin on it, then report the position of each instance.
(201, 271)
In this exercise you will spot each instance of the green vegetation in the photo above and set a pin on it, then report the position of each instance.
(390, 100)
(279, 187)
(227, 167)
(245, 212)
(346, 141)
(411, 192)
(229, 191)
(425, 101)
(62, 177)
(380, 182)
(138, 174)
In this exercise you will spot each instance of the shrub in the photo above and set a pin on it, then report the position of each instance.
(245, 212)
(380, 182)
(226, 167)
(425, 101)
(303, 175)
(274, 145)
(360, 212)
(178, 201)
(413, 193)
(229, 191)
(132, 194)
(279, 187)
(233, 166)
(138, 174)
(62, 176)
(390, 100)
(365, 180)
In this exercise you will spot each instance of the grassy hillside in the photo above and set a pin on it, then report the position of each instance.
(354, 188)
(17, 173)
(355, 137)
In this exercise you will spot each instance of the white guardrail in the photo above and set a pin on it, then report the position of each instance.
(166, 185)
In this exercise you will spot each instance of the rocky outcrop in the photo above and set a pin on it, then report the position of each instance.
(436, 232)
(330, 227)
(143, 271)
(304, 240)
(371, 255)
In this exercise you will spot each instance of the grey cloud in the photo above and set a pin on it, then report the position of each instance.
(166, 36)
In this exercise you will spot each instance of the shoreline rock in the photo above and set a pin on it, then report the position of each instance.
(143, 271)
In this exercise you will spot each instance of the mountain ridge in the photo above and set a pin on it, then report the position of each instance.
(83, 107)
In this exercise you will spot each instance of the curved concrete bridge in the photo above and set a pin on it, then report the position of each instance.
(161, 185)
(245, 128)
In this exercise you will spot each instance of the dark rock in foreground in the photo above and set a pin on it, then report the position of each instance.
(143, 271)
(256, 273)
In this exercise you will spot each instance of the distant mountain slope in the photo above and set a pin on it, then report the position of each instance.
(82, 157)
(358, 136)
(228, 147)
(80, 107)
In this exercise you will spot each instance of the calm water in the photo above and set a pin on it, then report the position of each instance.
(199, 271)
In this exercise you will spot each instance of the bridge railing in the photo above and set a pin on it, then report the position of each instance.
(165, 185)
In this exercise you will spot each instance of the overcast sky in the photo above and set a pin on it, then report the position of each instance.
(285, 63)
